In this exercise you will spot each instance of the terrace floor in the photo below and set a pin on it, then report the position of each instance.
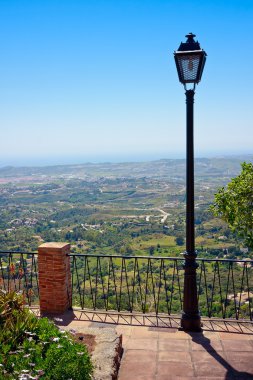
(154, 348)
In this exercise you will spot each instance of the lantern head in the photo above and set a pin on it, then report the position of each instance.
(190, 61)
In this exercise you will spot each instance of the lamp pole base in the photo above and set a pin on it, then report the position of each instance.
(191, 323)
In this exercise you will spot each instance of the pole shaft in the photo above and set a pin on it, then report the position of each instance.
(190, 318)
(190, 233)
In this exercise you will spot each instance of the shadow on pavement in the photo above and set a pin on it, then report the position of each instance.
(232, 373)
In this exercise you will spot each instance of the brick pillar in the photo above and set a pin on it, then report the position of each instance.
(54, 278)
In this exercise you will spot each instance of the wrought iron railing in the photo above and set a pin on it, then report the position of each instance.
(151, 284)
(145, 284)
(121, 283)
(225, 288)
(18, 272)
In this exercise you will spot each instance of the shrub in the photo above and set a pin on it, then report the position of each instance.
(32, 348)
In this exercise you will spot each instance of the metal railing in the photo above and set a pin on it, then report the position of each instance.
(151, 284)
(225, 288)
(145, 284)
(121, 283)
(18, 272)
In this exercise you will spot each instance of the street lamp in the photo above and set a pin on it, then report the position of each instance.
(190, 61)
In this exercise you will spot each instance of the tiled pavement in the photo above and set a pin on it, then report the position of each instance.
(221, 351)
(164, 354)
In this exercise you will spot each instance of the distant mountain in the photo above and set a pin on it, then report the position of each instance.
(227, 166)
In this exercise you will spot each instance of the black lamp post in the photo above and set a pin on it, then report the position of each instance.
(190, 61)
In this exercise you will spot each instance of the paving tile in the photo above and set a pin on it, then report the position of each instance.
(139, 356)
(128, 375)
(124, 330)
(174, 369)
(234, 336)
(210, 335)
(207, 356)
(133, 370)
(175, 377)
(143, 332)
(239, 356)
(212, 377)
(237, 345)
(173, 335)
(125, 340)
(173, 345)
(141, 344)
(242, 366)
(204, 368)
(213, 345)
(166, 329)
(171, 356)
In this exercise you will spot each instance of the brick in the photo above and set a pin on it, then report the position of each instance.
(54, 277)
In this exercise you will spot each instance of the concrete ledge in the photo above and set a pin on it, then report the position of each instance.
(108, 351)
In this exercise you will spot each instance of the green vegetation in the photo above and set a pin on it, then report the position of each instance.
(234, 204)
(126, 209)
(32, 348)
(130, 209)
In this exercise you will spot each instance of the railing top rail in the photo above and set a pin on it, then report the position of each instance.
(136, 257)
(18, 253)
(125, 257)
(157, 258)
(225, 260)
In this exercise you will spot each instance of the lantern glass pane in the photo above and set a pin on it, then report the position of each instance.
(188, 66)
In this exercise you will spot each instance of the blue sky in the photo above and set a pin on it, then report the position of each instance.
(96, 81)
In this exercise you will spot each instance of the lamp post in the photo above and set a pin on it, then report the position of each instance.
(190, 61)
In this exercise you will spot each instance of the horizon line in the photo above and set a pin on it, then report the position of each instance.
(43, 162)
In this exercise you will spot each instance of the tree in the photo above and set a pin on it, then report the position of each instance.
(234, 204)
(151, 250)
(180, 240)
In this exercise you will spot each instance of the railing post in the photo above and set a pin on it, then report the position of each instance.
(54, 278)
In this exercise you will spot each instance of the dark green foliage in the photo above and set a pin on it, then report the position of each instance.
(234, 204)
(37, 346)
(180, 240)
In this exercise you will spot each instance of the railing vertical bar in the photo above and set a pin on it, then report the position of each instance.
(166, 288)
(172, 286)
(102, 281)
(133, 288)
(127, 285)
(179, 287)
(159, 286)
(84, 282)
(146, 286)
(96, 284)
(220, 290)
(200, 277)
(213, 287)
(108, 285)
(241, 290)
(152, 281)
(78, 283)
(227, 287)
(2, 274)
(121, 281)
(72, 278)
(206, 292)
(140, 288)
(249, 299)
(91, 289)
(233, 282)
(115, 285)
(25, 278)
